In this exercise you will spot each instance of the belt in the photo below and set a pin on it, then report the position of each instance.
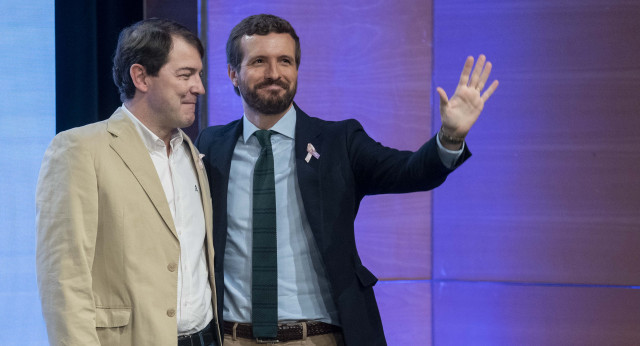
(201, 338)
(286, 332)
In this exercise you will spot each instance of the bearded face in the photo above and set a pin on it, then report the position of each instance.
(269, 97)
(267, 77)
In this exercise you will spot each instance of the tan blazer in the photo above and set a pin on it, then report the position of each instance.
(107, 248)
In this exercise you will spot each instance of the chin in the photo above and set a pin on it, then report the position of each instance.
(187, 120)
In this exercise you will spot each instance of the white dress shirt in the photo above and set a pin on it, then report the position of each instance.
(179, 180)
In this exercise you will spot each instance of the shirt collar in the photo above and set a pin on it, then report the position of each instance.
(286, 126)
(150, 140)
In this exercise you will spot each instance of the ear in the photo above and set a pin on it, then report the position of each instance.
(233, 75)
(139, 77)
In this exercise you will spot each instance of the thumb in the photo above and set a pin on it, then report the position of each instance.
(443, 96)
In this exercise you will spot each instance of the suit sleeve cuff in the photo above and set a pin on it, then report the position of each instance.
(449, 157)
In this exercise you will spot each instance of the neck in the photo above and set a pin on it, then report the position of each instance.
(142, 113)
(263, 121)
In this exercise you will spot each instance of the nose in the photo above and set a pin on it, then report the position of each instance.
(198, 87)
(272, 72)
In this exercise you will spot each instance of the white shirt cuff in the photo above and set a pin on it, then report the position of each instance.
(448, 157)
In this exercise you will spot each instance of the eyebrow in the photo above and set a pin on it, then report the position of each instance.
(250, 58)
(188, 69)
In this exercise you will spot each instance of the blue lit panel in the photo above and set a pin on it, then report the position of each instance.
(27, 125)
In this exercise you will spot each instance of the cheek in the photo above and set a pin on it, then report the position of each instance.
(292, 75)
(250, 78)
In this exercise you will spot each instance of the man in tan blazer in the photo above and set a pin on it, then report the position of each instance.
(124, 251)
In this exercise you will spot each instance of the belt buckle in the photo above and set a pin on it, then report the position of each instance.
(267, 341)
(185, 340)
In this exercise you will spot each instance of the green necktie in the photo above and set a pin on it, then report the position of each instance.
(264, 288)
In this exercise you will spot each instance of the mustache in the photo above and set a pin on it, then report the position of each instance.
(268, 82)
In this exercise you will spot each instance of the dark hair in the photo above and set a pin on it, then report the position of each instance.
(148, 43)
(259, 24)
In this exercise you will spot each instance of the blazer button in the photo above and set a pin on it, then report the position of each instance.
(171, 312)
(172, 267)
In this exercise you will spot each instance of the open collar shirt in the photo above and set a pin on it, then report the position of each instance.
(179, 181)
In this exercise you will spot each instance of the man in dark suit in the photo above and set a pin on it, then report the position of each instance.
(321, 170)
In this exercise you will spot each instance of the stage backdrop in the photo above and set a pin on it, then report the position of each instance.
(534, 241)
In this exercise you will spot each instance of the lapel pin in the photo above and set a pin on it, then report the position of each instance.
(311, 151)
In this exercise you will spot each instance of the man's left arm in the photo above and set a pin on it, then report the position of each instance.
(379, 169)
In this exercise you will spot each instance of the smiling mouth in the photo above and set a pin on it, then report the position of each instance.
(273, 85)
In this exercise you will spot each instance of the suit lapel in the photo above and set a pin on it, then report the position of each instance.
(224, 151)
(309, 172)
(220, 151)
(128, 145)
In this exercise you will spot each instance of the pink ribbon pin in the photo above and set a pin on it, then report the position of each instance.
(311, 152)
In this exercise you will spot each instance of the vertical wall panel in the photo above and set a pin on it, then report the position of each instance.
(549, 202)
(551, 194)
(363, 60)
(27, 125)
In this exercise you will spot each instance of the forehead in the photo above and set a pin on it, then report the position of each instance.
(183, 53)
(272, 44)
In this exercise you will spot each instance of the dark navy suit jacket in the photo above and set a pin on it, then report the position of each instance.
(351, 166)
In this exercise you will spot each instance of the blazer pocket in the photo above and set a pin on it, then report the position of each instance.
(112, 317)
(365, 276)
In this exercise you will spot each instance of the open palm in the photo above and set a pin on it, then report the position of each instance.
(460, 112)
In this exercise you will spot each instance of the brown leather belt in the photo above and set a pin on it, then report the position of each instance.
(286, 332)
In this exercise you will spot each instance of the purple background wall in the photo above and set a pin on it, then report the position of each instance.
(535, 239)
(548, 208)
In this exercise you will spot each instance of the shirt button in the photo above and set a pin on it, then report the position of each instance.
(171, 312)
(172, 267)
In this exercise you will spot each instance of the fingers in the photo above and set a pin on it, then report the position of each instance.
(489, 91)
(474, 77)
(443, 96)
(466, 71)
(477, 70)
(484, 76)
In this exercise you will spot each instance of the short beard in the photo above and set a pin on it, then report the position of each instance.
(272, 104)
